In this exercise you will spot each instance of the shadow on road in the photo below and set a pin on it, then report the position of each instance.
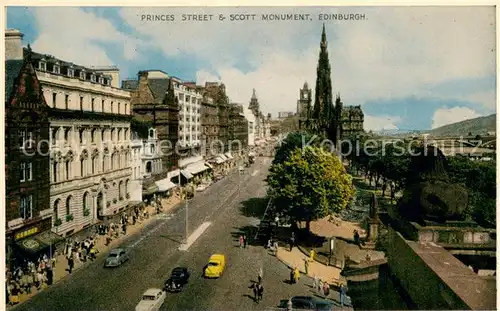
(254, 207)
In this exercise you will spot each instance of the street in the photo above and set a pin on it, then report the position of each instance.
(228, 206)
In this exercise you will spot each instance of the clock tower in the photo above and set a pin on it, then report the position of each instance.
(304, 102)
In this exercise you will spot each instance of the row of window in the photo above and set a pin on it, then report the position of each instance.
(92, 106)
(116, 134)
(107, 163)
(188, 99)
(87, 200)
(70, 72)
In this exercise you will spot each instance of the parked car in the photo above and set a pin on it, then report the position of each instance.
(308, 303)
(178, 279)
(116, 257)
(152, 299)
(215, 266)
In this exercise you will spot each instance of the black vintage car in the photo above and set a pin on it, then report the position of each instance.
(178, 279)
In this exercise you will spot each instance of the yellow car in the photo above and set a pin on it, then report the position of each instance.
(215, 266)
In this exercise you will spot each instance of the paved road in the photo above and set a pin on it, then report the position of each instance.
(227, 205)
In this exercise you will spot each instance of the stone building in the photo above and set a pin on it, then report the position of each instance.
(155, 105)
(28, 214)
(89, 141)
(217, 91)
(238, 129)
(304, 107)
(352, 119)
(250, 117)
(335, 121)
(210, 126)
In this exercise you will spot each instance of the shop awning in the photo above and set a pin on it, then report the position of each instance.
(186, 174)
(229, 155)
(209, 165)
(219, 160)
(147, 190)
(164, 185)
(223, 157)
(39, 242)
(196, 168)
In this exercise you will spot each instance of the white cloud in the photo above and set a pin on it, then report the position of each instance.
(203, 76)
(396, 52)
(378, 123)
(71, 34)
(444, 116)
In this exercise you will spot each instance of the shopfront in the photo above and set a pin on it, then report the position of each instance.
(33, 241)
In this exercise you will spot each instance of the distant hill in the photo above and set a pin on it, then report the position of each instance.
(476, 126)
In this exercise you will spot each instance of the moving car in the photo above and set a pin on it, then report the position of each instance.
(116, 257)
(178, 279)
(152, 299)
(215, 267)
(308, 303)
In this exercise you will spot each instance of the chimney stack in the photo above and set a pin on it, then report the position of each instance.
(13, 44)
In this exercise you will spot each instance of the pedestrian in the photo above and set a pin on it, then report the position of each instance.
(260, 275)
(356, 238)
(289, 305)
(71, 263)
(315, 282)
(292, 241)
(292, 276)
(14, 295)
(255, 291)
(260, 289)
(320, 285)
(296, 274)
(244, 241)
(306, 265)
(326, 289)
(342, 295)
(269, 244)
(124, 228)
(241, 241)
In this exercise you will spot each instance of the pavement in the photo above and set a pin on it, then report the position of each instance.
(227, 205)
(297, 259)
(60, 269)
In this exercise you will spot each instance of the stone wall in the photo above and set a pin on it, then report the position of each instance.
(434, 278)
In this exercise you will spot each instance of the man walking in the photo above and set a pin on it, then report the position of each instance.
(342, 295)
(260, 275)
(292, 241)
(260, 290)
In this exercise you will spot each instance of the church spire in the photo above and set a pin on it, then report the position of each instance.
(324, 43)
(254, 96)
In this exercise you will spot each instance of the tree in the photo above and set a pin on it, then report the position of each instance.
(291, 142)
(312, 183)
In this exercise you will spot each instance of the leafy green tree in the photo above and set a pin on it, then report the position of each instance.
(293, 141)
(312, 183)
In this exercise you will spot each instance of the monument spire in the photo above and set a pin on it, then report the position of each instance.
(323, 110)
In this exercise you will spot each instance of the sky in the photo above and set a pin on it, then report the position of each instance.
(410, 68)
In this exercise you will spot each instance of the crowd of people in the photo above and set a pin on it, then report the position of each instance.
(26, 274)
(21, 279)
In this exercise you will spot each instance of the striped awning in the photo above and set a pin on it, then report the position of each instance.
(219, 160)
(209, 165)
(229, 155)
(223, 157)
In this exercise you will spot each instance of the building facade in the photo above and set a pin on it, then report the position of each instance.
(238, 129)
(27, 177)
(190, 131)
(284, 114)
(89, 142)
(155, 105)
(250, 117)
(210, 126)
(217, 91)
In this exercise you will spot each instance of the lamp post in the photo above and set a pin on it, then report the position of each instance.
(186, 207)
